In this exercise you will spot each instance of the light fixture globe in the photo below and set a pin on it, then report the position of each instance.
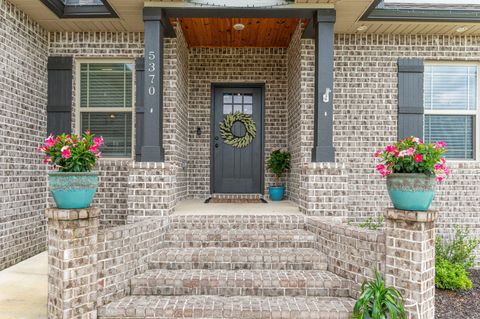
(239, 26)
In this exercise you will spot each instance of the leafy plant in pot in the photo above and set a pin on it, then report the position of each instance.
(72, 183)
(412, 169)
(278, 163)
(377, 301)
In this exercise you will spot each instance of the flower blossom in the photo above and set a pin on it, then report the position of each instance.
(408, 152)
(66, 152)
(390, 149)
(378, 153)
(440, 145)
(418, 158)
(50, 141)
(382, 169)
(98, 141)
(417, 140)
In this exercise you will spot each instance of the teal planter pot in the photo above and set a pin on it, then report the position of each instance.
(411, 191)
(276, 193)
(73, 190)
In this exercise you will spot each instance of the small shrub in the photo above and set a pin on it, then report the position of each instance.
(460, 250)
(451, 276)
(454, 259)
(279, 163)
(373, 224)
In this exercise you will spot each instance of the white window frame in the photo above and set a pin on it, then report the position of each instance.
(78, 108)
(475, 114)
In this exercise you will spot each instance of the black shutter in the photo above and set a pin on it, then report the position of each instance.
(139, 106)
(410, 98)
(59, 103)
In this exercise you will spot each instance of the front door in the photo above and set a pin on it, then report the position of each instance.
(238, 159)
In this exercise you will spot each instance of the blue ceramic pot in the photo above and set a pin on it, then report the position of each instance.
(276, 192)
(73, 190)
(411, 191)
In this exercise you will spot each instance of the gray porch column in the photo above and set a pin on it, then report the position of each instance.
(323, 150)
(152, 148)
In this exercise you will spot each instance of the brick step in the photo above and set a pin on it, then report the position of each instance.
(217, 307)
(238, 258)
(252, 238)
(269, 283)
(226, 221)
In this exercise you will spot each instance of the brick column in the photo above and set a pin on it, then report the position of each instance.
(151, 190)
(324, 190)
(410, 262)
(72, 263)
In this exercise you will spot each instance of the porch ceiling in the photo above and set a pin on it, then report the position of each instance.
(130, 18)
(219, 32)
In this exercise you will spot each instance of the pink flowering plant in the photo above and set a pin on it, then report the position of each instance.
(72, 153)
(412, 155)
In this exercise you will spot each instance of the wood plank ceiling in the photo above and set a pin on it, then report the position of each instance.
(219, 32)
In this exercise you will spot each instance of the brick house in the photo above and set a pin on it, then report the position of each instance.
(155, 78)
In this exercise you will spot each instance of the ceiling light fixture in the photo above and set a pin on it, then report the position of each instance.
(362, 28)
(461, 29)
(239, 26)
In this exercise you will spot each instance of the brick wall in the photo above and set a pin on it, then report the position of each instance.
(112, 191)
(123, 252)
(353, 253)
(365, 119)
(181, 120)
(23, 122)
(294, 114)
(229, 65)
(113, 188)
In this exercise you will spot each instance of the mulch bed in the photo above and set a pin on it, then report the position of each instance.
(459, 305)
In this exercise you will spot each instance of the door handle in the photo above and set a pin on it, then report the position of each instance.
(216, 145)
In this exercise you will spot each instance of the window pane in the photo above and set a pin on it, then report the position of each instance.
(227, 108)
(106, 85)
(450, 87)
(82, 2)
(227, 98)
(456, 131)
(116, 129)
(247, 109)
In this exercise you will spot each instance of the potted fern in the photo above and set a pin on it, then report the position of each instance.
(378, 301)
(278, 163)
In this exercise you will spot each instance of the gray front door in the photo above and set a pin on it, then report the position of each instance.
(237, 170)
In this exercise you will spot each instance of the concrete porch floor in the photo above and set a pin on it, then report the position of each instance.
(198, 207)
(24, 289)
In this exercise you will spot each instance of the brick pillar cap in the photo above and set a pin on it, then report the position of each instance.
(72, 214)
(412, 216)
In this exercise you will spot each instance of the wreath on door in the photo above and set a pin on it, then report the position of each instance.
(230, 138)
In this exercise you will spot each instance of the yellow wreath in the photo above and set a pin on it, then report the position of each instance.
(230, 138)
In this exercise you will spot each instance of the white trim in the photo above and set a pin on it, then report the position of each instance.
(474, 113)
(79, 109)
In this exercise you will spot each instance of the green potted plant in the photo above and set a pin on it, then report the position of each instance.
(72, 183)
(278, 163)
(378, 301)
(412, 169)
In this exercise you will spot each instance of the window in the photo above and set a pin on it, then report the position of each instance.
(105, 100)
(81, 8)
(451, 108)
